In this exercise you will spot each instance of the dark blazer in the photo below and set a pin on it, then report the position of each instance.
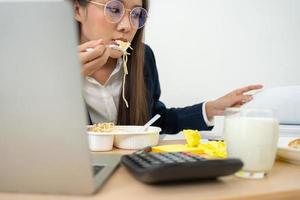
(172, 120)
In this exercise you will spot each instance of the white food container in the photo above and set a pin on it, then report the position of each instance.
(133, 137)
(100, 141)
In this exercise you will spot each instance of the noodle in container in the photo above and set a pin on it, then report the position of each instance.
(100, 137)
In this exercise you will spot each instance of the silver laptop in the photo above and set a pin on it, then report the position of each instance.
(43, 141)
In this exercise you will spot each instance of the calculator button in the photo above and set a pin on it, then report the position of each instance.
(139, 161)
(186, 157)
(173, 157)
(199, 158)
(145, 164)
(136, 158)
(194, 156)
(162, 158)
(151, 160)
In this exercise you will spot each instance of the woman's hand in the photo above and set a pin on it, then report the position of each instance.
(235, 98)
(93, 55)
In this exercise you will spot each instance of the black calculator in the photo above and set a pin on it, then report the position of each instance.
(154, 168)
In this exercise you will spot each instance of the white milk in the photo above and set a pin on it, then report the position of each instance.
(253, 140)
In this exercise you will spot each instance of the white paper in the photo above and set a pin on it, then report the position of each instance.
(284, 100)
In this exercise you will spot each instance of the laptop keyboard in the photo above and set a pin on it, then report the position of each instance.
(97, 169)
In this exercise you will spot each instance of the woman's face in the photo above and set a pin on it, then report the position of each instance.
(95, 26)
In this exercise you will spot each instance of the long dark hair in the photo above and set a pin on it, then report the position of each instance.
(135, 88)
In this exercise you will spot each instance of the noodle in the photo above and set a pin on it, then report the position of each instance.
(102, 127)
(123, 46)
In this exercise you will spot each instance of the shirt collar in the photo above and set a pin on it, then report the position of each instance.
(117, 70)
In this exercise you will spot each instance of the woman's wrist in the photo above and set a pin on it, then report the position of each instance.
(210, 109)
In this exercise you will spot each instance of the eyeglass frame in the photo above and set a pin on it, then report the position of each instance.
(125, 9)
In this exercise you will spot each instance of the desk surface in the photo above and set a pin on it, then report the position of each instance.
(283, 182)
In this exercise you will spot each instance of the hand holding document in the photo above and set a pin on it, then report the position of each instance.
(285, 101)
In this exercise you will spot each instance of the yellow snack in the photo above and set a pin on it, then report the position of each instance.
(214, 149)
(210, 149)
(295, 144)
(192, 137)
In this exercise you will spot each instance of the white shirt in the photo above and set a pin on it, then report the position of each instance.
(103, 100)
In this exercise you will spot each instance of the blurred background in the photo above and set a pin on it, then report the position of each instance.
(206, 48)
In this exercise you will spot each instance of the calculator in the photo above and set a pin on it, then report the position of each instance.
(162, 167)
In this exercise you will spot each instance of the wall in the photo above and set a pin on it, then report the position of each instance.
(206, 48)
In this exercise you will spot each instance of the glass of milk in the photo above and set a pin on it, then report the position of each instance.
(251, 135)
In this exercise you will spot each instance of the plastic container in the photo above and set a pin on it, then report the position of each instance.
(133, 137)
(100, 141)
(123, 137)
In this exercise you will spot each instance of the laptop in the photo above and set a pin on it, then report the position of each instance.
(43, 140)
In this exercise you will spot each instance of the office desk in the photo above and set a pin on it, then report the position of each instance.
(283, 182)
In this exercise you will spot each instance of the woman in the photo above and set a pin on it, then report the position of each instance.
(101, 23)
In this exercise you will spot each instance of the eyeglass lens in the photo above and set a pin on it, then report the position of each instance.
(114, 11)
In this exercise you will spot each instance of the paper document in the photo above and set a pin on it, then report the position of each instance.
(284, 100)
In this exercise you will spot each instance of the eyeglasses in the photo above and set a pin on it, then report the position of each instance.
(114, 11)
